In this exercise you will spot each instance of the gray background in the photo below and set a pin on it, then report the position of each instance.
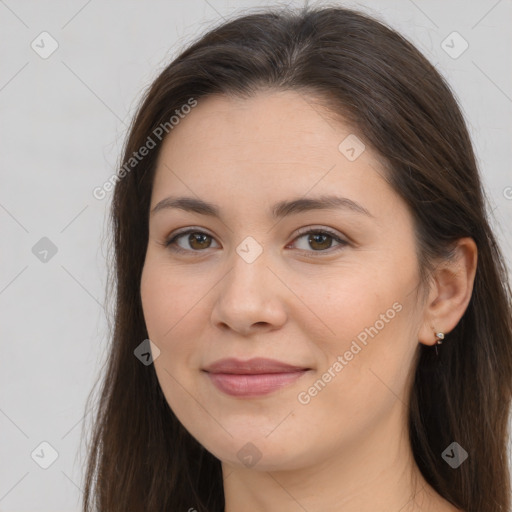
(63, 120)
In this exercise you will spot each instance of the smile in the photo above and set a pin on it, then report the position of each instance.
(247, 385)
(254, 377)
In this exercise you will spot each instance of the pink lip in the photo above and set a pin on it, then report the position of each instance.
(255, 377)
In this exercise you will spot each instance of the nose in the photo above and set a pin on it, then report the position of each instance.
(250, 298)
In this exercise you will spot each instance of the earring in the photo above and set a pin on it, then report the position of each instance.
(439, 340)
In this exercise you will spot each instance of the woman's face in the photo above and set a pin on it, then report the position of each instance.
(344, 314)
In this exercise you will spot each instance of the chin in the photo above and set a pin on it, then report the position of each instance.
(257, 453)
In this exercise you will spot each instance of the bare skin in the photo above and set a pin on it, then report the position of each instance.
(302, 300)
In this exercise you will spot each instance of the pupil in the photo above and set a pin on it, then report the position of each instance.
(318, 235)
(196, 237)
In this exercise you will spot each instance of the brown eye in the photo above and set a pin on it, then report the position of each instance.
(323, 240)
(195, 242)
(320, 240)
(199, 240)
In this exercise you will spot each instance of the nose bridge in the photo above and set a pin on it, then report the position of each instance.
(248, 293)
(249, 266)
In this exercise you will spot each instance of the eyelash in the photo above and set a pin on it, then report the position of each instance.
(171, 241)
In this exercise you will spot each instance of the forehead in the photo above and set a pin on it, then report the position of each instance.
(274, 144)
(279, 122)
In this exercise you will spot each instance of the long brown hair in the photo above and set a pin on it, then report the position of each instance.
(140, 457)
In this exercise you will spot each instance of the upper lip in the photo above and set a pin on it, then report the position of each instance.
(257, 365)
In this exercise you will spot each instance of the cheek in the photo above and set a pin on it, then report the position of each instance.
(169, 318)
(154, 301)
(165, 299)
(370, 343)
(174, 313)
(364, 372)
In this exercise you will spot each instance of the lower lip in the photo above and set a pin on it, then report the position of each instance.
(253, 385)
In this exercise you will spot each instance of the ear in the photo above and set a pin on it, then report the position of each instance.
(450, 292)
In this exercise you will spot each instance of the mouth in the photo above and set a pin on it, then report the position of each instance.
(254, 377)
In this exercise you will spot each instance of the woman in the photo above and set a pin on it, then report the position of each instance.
(300, 230)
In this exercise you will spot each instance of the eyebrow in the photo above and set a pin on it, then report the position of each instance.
(278, 211)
